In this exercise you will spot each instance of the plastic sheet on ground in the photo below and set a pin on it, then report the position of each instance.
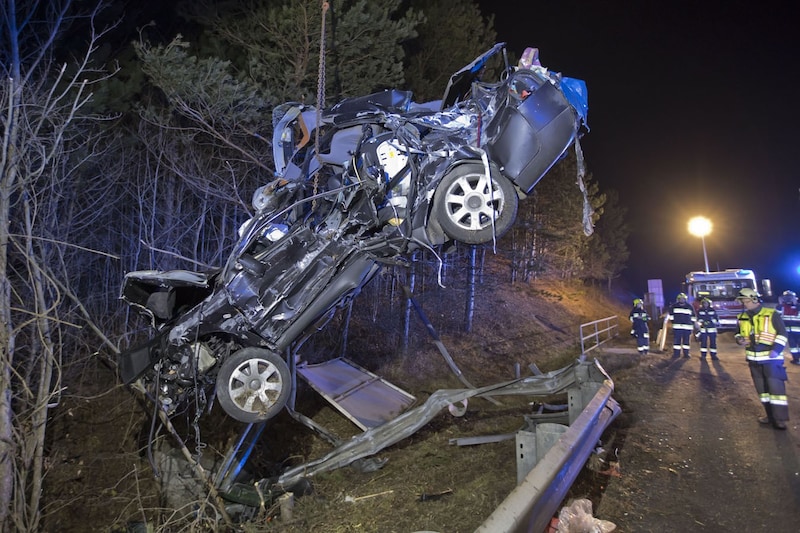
(577, 518)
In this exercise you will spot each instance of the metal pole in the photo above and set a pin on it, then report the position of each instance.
(705, 255)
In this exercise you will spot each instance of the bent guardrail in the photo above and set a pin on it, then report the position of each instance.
(573, 379)
(608, 326)
(532, 504)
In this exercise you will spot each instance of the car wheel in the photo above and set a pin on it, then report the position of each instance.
(466, 202)
(253, 385)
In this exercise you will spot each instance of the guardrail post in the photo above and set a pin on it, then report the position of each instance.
(579, 396)
(533, 443)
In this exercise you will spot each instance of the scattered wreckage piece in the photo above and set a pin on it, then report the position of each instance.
(364, 398)
(483, 439)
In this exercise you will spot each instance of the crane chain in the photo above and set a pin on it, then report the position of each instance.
(320, 95)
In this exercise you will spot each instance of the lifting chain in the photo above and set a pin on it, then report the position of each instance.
(320, 95)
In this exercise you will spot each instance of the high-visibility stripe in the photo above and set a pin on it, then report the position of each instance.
(778, 400)
(766, 337)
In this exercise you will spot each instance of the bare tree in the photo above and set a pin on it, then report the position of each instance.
(44, 143)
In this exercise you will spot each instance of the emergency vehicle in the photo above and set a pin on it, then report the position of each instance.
(721, 288)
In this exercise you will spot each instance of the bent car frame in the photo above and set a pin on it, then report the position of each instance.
(386, 176)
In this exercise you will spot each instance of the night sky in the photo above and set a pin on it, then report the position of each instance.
(693, 111)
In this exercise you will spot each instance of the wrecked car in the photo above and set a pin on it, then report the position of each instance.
(357, 185)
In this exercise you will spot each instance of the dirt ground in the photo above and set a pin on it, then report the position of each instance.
(688, 452)
(692, 456)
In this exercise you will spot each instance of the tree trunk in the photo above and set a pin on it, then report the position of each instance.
(45, 363)
(8, 179)
(470, 311)
(407, 315)
(7, 449)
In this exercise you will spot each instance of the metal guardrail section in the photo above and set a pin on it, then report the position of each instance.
(593, 330)
(580, 380)
(532, 504)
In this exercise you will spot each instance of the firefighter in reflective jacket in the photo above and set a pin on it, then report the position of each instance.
(682, 316)
(706, 325)
(639, 328)
(790, 314)
(762, 332)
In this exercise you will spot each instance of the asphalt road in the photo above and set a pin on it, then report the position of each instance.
(692, 456)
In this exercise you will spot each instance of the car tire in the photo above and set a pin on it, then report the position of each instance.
(253, 385)
(465, 202)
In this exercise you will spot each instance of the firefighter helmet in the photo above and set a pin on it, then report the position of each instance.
(705, 302)
(748, 294)
(789, 297)
(682, 295)
(637, 301)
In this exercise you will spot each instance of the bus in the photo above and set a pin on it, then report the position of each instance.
(722, 288)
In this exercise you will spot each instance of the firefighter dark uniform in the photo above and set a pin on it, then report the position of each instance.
(639, 328)
(707, 323)
(762, 332)
(683, 317)
(790, 314)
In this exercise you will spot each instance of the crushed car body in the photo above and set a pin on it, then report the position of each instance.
(357, 185)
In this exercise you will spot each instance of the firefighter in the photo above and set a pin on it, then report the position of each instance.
(683, 318)
(763, 334)
(639, 328)
(790, 313)
(706, 325)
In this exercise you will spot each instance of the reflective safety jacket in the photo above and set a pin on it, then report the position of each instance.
(707, 320)
(682, 316)
(791, 317)
(639, 318)
(766, 333)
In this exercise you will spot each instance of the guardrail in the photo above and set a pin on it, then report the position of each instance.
(608, 326)
(531, 505)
